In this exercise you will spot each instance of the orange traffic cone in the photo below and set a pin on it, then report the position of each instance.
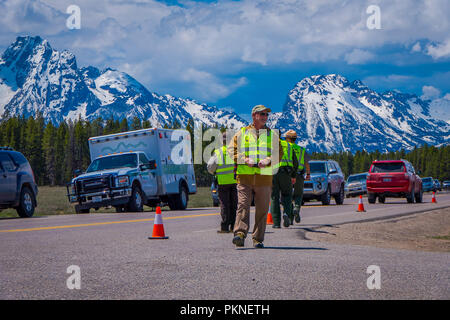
(360, 205)
(269, 217)
(158, 227)
(433, 199)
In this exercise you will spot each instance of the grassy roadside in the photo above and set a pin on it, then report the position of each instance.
(53, 201)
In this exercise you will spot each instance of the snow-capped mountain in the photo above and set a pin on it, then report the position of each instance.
(331, 114)
(328, 112)
(36, 78)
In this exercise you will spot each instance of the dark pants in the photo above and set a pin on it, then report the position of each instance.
(228, 205)
(298, 191)
(281, 184)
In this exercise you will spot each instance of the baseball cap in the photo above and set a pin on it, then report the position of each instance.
(260, 108)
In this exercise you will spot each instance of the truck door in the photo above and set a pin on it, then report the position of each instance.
(8, 178)
(148, 177)
(332, 177)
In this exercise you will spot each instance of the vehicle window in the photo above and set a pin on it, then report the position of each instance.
(317, 167)
(7, 162)
(331, 166)
(143, 159)
(388, 167)
(426, 179)
(113, 162)
(358, 177)
(18, 158)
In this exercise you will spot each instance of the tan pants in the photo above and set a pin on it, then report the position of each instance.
(262, 200)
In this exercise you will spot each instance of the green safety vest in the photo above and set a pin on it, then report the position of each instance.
(300, 153)
(256, 149)
(225, 168)
(288, 154)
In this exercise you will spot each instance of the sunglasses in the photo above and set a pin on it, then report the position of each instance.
(263, 113)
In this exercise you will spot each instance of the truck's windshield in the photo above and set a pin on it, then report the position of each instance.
(113, 162)
(317, 167)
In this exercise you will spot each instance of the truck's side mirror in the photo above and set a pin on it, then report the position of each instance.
(151, 165)
(76, 173)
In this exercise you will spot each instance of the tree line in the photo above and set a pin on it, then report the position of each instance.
(54, 152)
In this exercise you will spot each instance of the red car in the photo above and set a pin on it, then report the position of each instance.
(393, 178)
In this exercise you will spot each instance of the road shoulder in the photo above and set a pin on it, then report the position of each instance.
(425, 231)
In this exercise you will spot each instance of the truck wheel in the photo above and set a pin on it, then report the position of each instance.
(340, 197)
(136, 203)
(26, 205)
(326, 197)
(410, 196)
(419, 196)
(179, 201)
(371, 197)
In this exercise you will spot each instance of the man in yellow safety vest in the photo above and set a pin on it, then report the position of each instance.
(303, 163)
(282, 183)
(222, 165)
(255, 149)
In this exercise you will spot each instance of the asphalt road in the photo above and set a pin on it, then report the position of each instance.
(116, 259)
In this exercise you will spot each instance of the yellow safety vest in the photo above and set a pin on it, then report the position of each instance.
(300, 153)
(255, 149)
(225, 168)
(288, 154)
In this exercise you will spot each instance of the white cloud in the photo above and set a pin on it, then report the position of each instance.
(430, 93)
(416, 48)
(441, 50)
(358, 56)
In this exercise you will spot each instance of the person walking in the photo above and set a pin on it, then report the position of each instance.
(255, 149)
(222, 165)
(283, 182)
(303, 163)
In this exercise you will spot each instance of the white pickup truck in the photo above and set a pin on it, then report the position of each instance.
(130, 169)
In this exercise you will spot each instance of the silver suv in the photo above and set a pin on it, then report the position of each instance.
(327, 180)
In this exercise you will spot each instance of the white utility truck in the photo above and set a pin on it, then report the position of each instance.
(130, 169)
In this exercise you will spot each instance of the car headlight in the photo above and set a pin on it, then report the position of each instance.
(318, 179)
(122, 181)
(72, 188)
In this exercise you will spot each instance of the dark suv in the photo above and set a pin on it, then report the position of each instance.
(393, 178)
(18, 188)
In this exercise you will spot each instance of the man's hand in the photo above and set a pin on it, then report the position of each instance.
(249, 162)
(264, 163)
(293, 180)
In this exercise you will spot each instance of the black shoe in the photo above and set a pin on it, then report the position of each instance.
(291, 220)
(257, 244)
(239, 240)
(223, 231)
(297, 216)
(275, 226)
(286, 220)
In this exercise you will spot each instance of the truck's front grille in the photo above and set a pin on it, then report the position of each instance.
(94, 184)
(308, 185)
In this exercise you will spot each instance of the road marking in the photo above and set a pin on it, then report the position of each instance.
(104, 223)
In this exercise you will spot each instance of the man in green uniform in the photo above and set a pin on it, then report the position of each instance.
(283, 180)
(303, 162)
(222, 165)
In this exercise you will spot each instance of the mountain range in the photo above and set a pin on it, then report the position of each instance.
(329, 113)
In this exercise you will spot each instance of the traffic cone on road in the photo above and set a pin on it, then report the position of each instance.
(158, 227)
(269, 217)
(360, 205)
(433, 199)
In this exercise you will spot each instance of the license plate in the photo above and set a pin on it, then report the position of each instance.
(97, 199)
(387, 179)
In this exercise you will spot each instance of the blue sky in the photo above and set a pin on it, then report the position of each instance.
(235, 54)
